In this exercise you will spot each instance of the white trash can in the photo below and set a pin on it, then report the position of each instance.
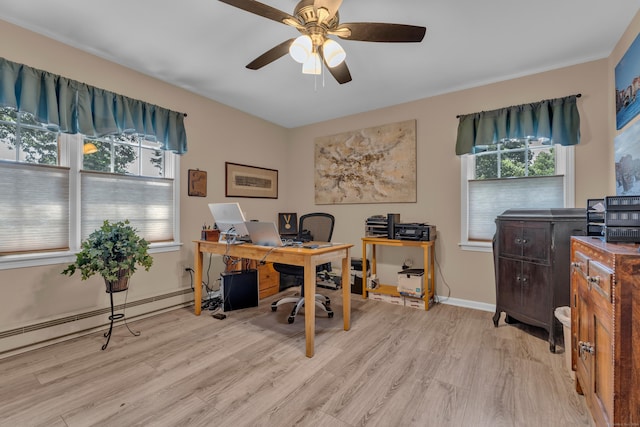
(563, 314)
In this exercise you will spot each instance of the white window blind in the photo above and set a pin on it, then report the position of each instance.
(489, 198)
(146, 202)
(35, 208)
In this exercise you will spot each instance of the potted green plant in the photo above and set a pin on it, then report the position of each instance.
(113, 251)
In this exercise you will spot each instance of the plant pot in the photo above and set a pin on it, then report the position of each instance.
(120, 284)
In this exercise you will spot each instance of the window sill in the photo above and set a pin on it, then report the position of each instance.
(8, 262)
(476, 246)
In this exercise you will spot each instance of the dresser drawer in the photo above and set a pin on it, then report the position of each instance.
(268, 280)
(600, 278)
(581, 262)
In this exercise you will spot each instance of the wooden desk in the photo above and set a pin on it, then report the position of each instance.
(428, 250)
(307, 258)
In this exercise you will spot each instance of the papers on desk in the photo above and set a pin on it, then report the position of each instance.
(598, 207)
(317, 245)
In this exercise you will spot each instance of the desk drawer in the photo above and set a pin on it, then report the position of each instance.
(268, 280)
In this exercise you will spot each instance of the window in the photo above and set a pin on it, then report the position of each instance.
(55, 195)
(126, 178)
(514, 173)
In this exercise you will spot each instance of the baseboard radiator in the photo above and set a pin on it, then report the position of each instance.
(102, 314)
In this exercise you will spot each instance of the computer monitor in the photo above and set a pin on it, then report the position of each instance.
(229, 218)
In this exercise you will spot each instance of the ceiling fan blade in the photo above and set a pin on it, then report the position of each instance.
(380, 32)
(264, 10)
(331, 6)
(271, 55)
(340, 72)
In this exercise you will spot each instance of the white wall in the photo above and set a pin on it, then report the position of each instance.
(469, 275)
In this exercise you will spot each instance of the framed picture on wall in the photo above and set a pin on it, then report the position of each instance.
(627, 85)
(288, 223)
(197, 183)
(251, 181)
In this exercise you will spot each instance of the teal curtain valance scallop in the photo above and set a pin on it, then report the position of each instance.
(70, 106)
(557, 119)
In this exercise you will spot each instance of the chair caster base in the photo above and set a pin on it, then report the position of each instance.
(290, 319)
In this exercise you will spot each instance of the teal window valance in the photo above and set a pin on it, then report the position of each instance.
(557, 119)
(69, 106)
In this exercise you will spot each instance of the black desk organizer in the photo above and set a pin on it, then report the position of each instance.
(622, 219)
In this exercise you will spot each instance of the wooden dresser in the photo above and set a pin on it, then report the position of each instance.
(605, 327)
(531, 254)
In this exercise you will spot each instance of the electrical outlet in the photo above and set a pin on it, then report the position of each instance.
(186, 268)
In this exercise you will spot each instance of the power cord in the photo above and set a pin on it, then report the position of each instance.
(190, 271)
(209, 302)
(436, 299)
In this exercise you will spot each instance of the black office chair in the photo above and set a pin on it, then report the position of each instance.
(313, 226)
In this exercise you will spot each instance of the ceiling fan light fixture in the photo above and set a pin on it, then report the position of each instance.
(301, 49)
(313, 65)
(333, 53)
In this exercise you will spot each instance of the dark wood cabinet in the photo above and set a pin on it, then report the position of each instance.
(532, 256)
(605, 327)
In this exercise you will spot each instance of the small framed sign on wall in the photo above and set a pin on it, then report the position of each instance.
(197, 183)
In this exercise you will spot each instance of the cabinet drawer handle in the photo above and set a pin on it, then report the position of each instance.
(576, 264)
(585, 347)
(593, 280)
(518, 241)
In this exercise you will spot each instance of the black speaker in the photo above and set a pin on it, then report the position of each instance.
(392, 220)
(239, 289)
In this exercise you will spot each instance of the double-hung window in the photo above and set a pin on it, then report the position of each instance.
(34, 187)
(128, 178)
(517, 157)
(516, 173)
(57, 188)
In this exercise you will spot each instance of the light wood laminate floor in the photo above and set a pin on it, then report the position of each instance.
(397, 366)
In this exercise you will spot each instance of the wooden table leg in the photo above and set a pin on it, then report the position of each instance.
(197, 285)
(309, 305)
(346, 290)
(364, 270)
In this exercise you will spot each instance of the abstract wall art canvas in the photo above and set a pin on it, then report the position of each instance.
(372, 165)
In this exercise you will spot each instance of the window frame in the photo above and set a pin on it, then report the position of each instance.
(70, 154)
(565, 165)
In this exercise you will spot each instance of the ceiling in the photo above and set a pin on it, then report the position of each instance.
(204, 45)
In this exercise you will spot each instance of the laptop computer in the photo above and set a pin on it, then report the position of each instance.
(229, 219)
(264, 233)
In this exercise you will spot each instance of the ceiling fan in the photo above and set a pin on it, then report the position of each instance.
(316, 20)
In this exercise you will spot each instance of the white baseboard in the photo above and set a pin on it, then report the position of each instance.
(482, 306)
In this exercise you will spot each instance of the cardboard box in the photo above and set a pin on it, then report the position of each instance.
(414, 303)
(411, 282)
(391, 299)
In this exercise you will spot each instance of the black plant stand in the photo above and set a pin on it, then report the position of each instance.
(115, 316)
